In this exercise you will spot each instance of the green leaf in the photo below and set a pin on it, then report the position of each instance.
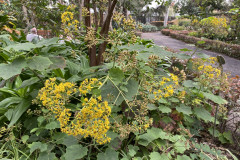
(216, 99)
(57, 62)
(15, 68)
(37, 145)
(203, 114)
(70, 140)
(73, 67)
(53, 125)
(155, 156)
(109, 154)
(189, 84)
(116, 75)
(39, 63)
(185, 50)
(75, 152)
(151, 135)
(164, 109)
(29, 82)
(184, 157)
(25, 138)
(184, 109)
(9, 101)
(47, 156)
(19, 110)
(132, 150)
(21, 47)
(228, 136)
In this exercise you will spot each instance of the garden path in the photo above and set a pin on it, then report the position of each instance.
(232, 65)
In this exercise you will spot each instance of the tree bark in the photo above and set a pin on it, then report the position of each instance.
(80, 5)
(166, 17)
(95, 14)
(91, 50)
(25, 18)
(104, 32)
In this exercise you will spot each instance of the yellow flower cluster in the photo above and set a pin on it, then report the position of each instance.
(215, 22)
(210, 71)
(69, 24)
(54, 97)
(87, 85)
(165, 87)
(91, 120)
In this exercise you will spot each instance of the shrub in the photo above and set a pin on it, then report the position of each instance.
(149, 28)
(213, 27)
(176, 27)
(184, 23)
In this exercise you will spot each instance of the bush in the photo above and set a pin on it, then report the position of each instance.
(185, 23)
(176, 27)
(149, 28)
(213, 27)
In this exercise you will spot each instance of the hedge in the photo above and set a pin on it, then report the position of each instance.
(232, 50)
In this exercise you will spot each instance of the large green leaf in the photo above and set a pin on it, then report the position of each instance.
(21, 47)
(155, 156)
(151, 135)
(37, 145)
(12, 69)
(109, 154)
(216, 99)
(203, 114)
(184, 109)
(58, 62)
(47, 156)
(75, 152)
(39, 63)
(116, 75)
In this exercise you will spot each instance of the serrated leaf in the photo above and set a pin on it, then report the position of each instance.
(116, 75)
(75, 152)
(69, 141)
(132, 150)
(216, 99)
(9, 70)
(203, 114)
(39, 63)
(37, 145)
(57, 62)
(152, 134)
(184, 109)
(109, 154)
(47, 156)
(164, 109)
(155, 156)
(53, 125)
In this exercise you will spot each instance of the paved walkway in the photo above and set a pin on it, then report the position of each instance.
(232, 65)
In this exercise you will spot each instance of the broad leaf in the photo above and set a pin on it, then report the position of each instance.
(184, 109)
(108, 155)
(75, 152)
(29, 82)
(15, 68)
(203, 114)
(216, 99)
(116, 75)
(39, 63)
(47, 156)
(53, 125)
(57, 62)
(37, 145)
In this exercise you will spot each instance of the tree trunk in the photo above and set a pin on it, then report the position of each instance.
(95, 14)
(104, 32)
(91, 51)
(80, 5)
(25, 18)
(166, 17)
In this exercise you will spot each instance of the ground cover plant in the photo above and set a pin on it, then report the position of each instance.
(138, 102)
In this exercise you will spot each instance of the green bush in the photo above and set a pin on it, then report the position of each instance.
(176, 27)
(149, 28)
(185, 23)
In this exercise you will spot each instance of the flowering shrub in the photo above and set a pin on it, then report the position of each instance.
(213, 27)
(91, 120)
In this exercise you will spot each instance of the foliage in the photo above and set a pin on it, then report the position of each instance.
(176, 27)
(148, 28)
